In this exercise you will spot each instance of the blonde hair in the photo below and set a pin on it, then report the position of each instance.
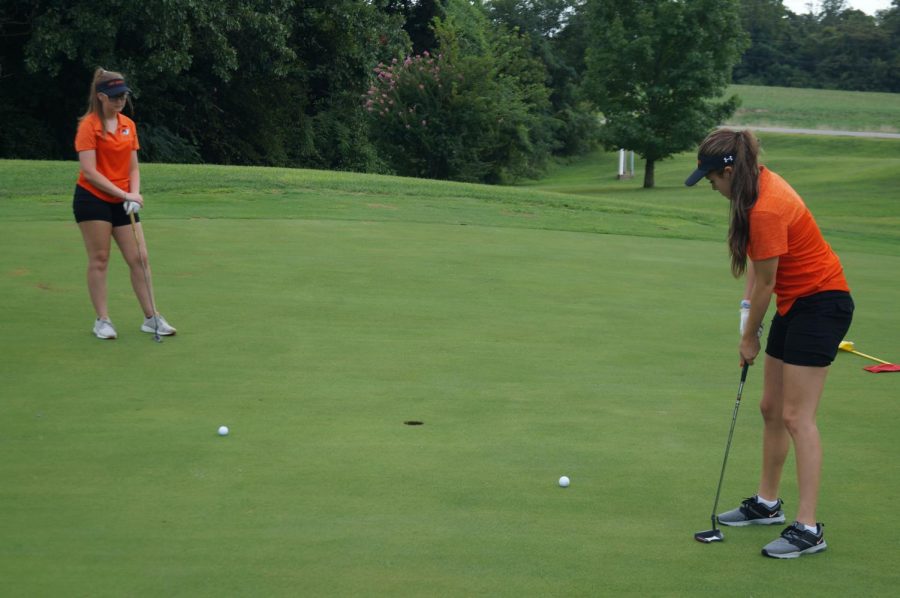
(94, 106)
(744, 146)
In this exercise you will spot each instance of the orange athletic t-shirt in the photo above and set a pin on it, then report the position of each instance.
(113, 152)
(782, 226)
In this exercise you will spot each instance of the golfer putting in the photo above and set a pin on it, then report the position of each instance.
(774, 240)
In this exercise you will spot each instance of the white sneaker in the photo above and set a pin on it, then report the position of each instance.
(103, 328)
(159, 326)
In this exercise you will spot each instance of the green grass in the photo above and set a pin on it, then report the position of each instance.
(849, 183)
(580, 326)
(816, 109)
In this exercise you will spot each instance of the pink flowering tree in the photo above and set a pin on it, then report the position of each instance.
(452, 116)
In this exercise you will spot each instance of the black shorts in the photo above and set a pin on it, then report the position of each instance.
(810, 332)
(87, 206)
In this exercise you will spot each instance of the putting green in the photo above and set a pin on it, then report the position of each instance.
(528, 354)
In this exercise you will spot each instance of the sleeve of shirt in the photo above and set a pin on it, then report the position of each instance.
(768, 236)
(86, 138)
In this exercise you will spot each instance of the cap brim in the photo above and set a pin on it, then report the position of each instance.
(695, 176)
(116, 91)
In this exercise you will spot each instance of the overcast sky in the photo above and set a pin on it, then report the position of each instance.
(867, 6)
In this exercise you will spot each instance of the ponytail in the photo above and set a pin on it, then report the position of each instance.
(744, 187)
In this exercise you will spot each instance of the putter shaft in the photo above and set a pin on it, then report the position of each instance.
(137, 244)
(737, 404)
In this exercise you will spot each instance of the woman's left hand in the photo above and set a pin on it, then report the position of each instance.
(135, 197)
(133, 203)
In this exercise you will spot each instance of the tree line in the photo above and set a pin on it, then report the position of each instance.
(470, 90)
(833, 48)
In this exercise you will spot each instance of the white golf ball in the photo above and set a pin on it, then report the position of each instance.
(223, 430)
(564, 481)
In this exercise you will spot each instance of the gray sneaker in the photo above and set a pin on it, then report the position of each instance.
(752, 512)
(103, 328)
(159, 326)
(796, 541)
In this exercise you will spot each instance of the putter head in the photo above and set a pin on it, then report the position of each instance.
(709, 536)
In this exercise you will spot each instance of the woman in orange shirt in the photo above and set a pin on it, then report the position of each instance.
(774, 239)
(108, 183)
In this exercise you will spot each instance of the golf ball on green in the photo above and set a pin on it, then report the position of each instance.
(223, 430)
(564, 482)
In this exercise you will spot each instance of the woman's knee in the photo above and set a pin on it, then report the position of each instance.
(137, 261)
(797, 421)
(771, 408)
(98, 259)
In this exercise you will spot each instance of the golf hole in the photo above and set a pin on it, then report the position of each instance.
(413, 422)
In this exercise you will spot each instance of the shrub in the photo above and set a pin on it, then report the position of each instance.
(461, 119)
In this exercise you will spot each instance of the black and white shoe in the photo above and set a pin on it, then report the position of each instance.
(796, 541)
(753, 512)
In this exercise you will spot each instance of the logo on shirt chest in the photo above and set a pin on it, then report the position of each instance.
(126, 131)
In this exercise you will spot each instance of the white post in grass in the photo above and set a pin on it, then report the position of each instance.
(623, 173)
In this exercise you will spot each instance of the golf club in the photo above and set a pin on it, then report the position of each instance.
(715, 534)
(137, 244)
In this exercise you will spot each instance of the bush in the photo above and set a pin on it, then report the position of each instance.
(434, 118)
(159, 144)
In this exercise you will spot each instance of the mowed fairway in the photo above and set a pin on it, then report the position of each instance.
(318, 312)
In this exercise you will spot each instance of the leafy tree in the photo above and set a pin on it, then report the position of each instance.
(475, 111)
(656, 68)
(231, 81)
(765, 21)
(417, 17)
(836, 47)
(851, 52)
(338, 43)
(553, 37)
(890, 21)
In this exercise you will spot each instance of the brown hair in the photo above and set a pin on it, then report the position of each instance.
(744, 146)
(94, 106)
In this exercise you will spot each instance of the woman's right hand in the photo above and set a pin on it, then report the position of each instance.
(749, 349)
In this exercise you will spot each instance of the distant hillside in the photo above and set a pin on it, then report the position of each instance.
(816, 109)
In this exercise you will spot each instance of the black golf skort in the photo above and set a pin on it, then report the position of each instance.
(87, 206)
(810, 332)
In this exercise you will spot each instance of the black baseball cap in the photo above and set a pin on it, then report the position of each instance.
(707, 164)
(113, 87)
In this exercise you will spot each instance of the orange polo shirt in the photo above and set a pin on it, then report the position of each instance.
(113, 152)
(782, 226)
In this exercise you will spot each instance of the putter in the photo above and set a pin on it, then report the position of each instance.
(137, 243)
(715, 534)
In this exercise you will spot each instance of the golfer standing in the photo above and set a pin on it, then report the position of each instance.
(775, 241)
(108, 183)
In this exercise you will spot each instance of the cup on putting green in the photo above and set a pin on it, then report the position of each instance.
(223, 430)
(564, 482)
